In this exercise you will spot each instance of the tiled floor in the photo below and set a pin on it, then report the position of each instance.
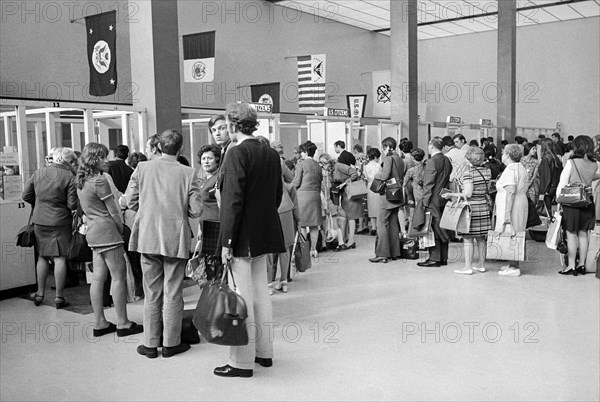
(347, 330)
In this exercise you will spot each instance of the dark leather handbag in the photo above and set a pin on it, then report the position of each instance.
(221, 313)
(409, 248)
(78, 248)
(394, 194)
(575, 195)
(26, 236)
(378, 186)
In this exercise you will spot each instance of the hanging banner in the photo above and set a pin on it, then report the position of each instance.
(356, 104)
(312, 78)
(199, 57)
(382, 94)
(266, 94)
(101, 32)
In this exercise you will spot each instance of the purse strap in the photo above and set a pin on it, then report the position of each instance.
(577, 170)
(487, 186)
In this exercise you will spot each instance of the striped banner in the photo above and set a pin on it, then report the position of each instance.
(311, 82)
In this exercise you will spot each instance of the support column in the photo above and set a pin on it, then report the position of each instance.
(405, 107)
(125, 129)
(88, 125)
(50, 132)
(507, 69)
(142, 130)
(75, 138)
(7, 131)
(155, 64)
(39, 145)
(25, 169)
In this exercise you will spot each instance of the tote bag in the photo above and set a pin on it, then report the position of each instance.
(457, 216)
(356, 189)
(506, 245)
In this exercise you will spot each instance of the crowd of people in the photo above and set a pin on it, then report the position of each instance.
(253, 205)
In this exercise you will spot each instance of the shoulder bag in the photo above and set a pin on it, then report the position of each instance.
(457, 216)
(356, 189)
(575, 195)
(26, 236)
(221, 313)
(78, 247)
(394, 192)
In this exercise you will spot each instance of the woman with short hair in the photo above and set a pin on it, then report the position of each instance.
(474, 179)
(511, 199)
(307, 181)
(52, 194)
(581, 168)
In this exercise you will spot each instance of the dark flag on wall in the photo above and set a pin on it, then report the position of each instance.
(102, 53)
(199, 57)
(266, 93)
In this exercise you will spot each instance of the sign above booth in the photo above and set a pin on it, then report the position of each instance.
(262, 107)
(453, 120)
(331, 112)
(485, 122)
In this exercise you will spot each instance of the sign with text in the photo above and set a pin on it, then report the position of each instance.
(485, 122)
(356, 104)
(262, 107)
(9, 158)
(453, 120)
(336, 112)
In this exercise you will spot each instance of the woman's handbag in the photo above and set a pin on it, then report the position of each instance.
(457, 216)
(378, 186)
(506, 246)
(356, 189)
(78, 248)
(26, 236)
(575, 195)
(335, 195)
(554, 234)
(301, 253)
(221, 313)
(533, 218)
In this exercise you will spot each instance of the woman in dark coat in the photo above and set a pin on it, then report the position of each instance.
(307, 180)
(52, 194)
(549, 171)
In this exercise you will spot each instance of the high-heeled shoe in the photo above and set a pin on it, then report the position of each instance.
(36, 299)
(61, 302)
(581, 270)
(568, 272)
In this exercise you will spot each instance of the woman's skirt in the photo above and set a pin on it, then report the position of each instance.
(353, 209)
(579, 219)
(53, 241)
(309, 208)
(210, 237)
(481, 221)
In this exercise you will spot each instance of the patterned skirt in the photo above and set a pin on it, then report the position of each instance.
(481, 220)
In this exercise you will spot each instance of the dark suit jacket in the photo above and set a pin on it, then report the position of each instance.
(251, 190)
(51, 191)
(435, 178)
(120, 173)
(346, 158)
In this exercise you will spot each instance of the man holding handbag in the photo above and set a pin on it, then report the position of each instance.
(388, 228)
(436, 177)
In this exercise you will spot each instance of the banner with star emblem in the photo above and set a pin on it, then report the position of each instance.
(102, 52)
(312, 79)
(382, 93)
(199, 57)
(266, 93)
